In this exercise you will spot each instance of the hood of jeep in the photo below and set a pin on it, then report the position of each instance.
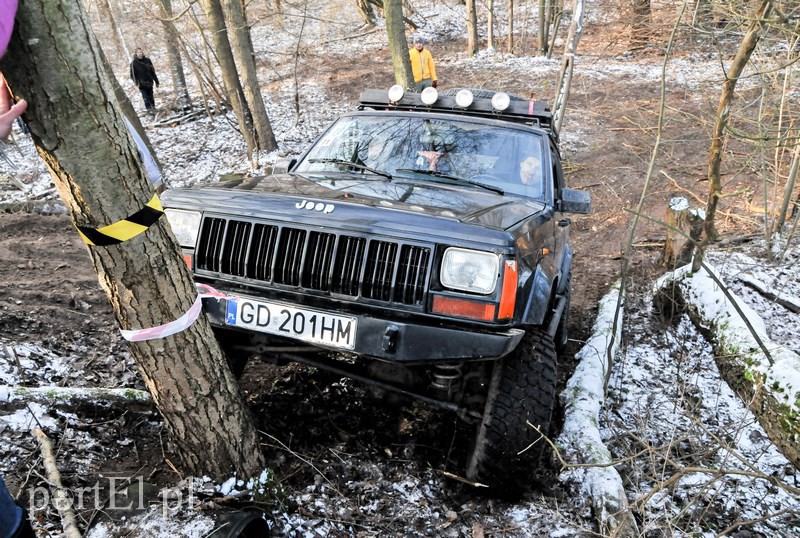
(467, 204)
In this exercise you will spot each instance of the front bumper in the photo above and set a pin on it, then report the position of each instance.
(404, 342)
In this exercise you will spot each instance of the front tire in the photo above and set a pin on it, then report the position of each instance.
(507, 450)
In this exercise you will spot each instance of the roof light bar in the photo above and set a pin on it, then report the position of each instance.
(396, 93)
(464, 98)
(429, 96)
(500, 101)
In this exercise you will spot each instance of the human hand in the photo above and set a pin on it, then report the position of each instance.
(8, 112)
(434, 83)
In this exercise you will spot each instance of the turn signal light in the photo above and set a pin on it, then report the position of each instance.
(463, 308)
(508, 295)
(187, 259)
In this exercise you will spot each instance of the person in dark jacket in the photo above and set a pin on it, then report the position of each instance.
(144, 76)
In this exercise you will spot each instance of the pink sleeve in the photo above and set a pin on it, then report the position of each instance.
(8, 10)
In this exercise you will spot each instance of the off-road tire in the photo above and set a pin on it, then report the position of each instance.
(478, 93)
(522, 390)
(562, 332)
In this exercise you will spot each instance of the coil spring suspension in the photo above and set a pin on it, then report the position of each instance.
(445, 375)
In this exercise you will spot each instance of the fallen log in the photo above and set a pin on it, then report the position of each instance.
(789, 303)
(769, 385)
(13, 397)
(588, 461)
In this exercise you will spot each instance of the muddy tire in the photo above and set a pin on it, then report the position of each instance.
(562, 333)
(522, 390)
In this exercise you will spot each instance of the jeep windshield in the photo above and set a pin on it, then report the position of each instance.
(424, 148)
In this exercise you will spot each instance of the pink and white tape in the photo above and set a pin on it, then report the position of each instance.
(180, 324)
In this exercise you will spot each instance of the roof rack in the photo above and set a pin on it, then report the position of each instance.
(535, 113)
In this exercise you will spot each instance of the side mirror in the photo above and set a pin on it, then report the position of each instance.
(283, 166)
(573, 201)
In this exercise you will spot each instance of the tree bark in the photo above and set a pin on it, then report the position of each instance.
(230, 77)
(542, 37)
(176, 71)
(490, 24)
(78, 129)
(398, 44)
(104, 10)
(746, 49)
(510, 26)
(366, 12)
(472, 28)
(640, 23)
(242, 46)
(567, 65)
(683, 228)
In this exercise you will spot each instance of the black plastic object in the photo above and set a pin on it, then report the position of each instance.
(241, 525)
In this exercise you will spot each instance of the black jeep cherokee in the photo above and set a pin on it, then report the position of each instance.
(419, 245)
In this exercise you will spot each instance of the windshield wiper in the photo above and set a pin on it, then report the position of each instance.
(360, 166)
(434, 173)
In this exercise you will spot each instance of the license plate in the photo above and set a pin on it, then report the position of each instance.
(299, 323)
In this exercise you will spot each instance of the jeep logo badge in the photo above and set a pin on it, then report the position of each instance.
(311, 206)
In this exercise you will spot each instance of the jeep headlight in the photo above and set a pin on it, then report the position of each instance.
(185, 225)
(470, 270)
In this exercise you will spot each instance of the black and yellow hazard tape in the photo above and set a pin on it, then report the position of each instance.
(125, 229)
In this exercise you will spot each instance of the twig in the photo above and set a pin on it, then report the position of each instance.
(63, 503)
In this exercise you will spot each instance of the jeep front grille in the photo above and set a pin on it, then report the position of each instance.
(340, 264)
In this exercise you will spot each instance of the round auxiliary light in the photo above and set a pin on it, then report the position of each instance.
(396, 93)
(464, 98)
(429, 96)
(500, 101)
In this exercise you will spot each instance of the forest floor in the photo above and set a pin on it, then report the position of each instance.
(354, 466)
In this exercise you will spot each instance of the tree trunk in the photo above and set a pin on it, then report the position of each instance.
(640, 23)
(567, 65)
(398, 44)
(366, 12)
(510, 26)
(104, 10)
(242, 46)
(542, 37)
(116, 20)
(683, 229)
(490, 24)
(746, 49)
(174, 54)
(230, 77)
(472, 28)
(78, 129)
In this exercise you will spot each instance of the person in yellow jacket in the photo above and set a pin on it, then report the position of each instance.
(422, 65)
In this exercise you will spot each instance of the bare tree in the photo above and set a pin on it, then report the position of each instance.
(242, 46)
(174, 54)
(746, 48)
(104, 10)
(398, 44)
(230, 76)
(510, 26)
(76, 124)
(490, 24)
(472, 28)
(567, 65)
(640, 23)
(366, 12)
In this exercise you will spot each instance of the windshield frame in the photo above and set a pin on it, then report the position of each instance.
(541, 134)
